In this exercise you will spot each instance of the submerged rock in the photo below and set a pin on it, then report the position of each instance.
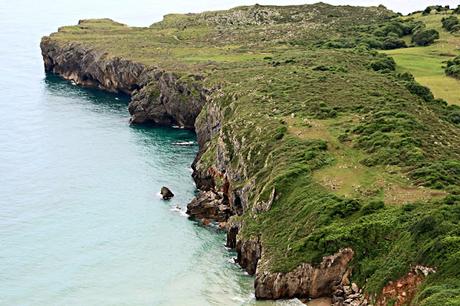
(166, 194)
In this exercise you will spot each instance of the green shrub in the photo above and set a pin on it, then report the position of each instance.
(372, 206)
(426, 225)
(427, 11)
(383, 63)
(280, 132)
(420, 90)
(394, 27)
(372, 42)
(456, 10)
(453, 68)
(453, 114)
(450, 23)
(425, 37)
(322, 111)
(438, 175)
(453, 71)
(391, 43)
(341, 43)
(344, 208)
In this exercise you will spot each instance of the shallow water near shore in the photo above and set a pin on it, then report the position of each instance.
(81, 221)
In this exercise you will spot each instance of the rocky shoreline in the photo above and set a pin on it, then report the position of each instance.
(158, 97)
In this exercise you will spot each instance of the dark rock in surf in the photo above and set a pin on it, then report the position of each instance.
(209, 205)
(166, 194)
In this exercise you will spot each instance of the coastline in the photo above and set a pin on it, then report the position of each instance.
(91, 68)
(261, 160)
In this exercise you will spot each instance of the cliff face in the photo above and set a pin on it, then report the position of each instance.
(91, 68)
(157, 96)
(164, 99)
(306, 149)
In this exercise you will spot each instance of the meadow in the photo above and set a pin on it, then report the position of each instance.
(427, 63)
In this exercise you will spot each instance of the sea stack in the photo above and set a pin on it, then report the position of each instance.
(166, 194)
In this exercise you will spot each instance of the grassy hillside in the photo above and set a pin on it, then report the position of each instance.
(427, 63)
(359, 155)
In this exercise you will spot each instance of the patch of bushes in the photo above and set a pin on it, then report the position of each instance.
(383, 63)
(427, 11)
(280, 132)
(420, 90)
(322, 111)
(450, 113)
(393, 42)
(438, 175)
(344, 208)
(330, 68)
(372, 207)
(425, 37)
(453, 68)
(456, 10)
(385, 136)
(416, 88)
(435, 8)
(385, 36)
(451, 24)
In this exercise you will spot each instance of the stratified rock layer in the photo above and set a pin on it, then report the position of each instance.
(157, 96)
(306, 281)
(209, 205)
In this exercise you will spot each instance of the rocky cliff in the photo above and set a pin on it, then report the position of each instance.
(157, 96)
(312, 156)
(164, 99)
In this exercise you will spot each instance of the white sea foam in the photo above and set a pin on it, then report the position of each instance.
(181, 211)
(184, 143)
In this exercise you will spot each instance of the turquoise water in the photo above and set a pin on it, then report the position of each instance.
(81, 222)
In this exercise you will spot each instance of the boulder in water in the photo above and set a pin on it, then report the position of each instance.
(166, 194)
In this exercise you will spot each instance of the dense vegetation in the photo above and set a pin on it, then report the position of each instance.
(451, 24)
(453, 68)
(428, 64)
(360, 155)
(456, 10)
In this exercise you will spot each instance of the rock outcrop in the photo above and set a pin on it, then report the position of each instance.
(347, 294)
(168, 100)
(249, 252)
(402, 291)
(306, 281)
(209, 205)
(165, 98)
(166, 193)
(157, 96)
(91, 68)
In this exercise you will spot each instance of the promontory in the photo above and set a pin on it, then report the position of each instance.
(334, 172)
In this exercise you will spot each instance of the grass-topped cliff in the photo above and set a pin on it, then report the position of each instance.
(317, 141)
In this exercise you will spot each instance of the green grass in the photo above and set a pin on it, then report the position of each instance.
(427, 63)
(294, 112)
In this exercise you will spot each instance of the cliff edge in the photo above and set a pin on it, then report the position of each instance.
(333, 174)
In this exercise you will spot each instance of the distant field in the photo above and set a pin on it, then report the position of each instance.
(427, 63)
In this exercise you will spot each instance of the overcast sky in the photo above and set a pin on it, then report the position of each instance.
(145, 12)
(160, 8)
(404, 6)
